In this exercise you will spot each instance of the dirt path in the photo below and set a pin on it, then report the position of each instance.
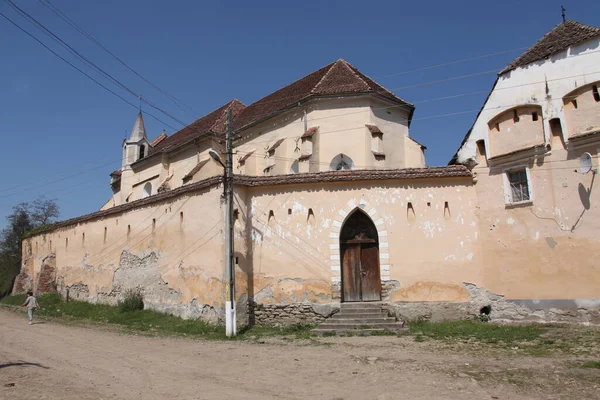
(52, 361)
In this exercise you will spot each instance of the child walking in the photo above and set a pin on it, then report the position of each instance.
(32, 305)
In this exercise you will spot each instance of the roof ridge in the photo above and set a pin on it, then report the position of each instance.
(354, 71)
(569, 33)
(330, 65)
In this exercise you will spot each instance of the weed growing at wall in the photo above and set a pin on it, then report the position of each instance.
(132, 301)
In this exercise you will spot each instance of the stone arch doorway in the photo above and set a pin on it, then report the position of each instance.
(359, 253)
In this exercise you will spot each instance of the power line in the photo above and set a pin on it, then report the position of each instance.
(68, 20)
(452, 62)
(86, 61)
(81, 71)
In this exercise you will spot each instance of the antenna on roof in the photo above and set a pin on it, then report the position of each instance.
(563, 12)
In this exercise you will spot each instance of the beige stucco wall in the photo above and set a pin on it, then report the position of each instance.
(178, 263)
(297, 259)
(341, 130)
(507, 135)
(584, 118)
(535, 251)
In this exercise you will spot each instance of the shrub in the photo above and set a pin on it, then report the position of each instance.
(132, 301)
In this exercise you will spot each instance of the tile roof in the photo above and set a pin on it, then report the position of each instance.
(245, 156)
(373, 129)
(276, 144)
(454, 171)
(355, 175)
(195, 170)
(560, 38)
(158, 139)
(213, 122)
(310, 132)
(337, 78)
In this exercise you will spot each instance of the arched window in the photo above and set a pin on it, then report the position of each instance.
(295, 168)
(147, 190)
(341, 162)
(142, 152)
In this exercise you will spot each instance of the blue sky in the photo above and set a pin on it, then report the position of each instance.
(62, 134)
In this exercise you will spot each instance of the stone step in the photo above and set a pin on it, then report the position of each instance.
(344, 306)
(368, 319)
(360, 332)
(361, 322)
(362, 314)
(382, 325)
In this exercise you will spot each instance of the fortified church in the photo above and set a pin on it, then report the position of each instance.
(334, 204)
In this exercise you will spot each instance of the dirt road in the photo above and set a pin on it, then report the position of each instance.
(53, 361)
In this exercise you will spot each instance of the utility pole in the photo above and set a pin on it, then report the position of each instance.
(230, 314)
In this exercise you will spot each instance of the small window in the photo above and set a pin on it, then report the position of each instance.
(147, 190)
(142, 152)
(128, 230)
(534, 116)
(153, 225)
(515, 116)
(595, 92)
(341, 162)
(519, 185)
(295, 168)
(105, 234)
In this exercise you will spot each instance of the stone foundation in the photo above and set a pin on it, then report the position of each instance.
(290, 314)
(496, 308)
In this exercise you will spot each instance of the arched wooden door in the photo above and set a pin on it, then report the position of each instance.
(359, 249)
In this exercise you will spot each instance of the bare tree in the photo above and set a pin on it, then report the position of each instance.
(43, 211)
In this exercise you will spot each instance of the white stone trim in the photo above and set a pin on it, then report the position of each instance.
(334, 235)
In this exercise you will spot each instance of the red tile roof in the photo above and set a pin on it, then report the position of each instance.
(310, 132)
(337, 78)
(211, 123)
(195, 170)
(560, 38)
(158, 139)
(373, 129)
(276, 144)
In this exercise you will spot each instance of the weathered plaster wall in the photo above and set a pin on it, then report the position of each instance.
(547, 248)
(508, 133)
(584, 118)
(425, 256)
(173, 250)
(341, 129)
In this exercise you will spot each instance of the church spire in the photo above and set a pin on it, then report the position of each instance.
(139, 131)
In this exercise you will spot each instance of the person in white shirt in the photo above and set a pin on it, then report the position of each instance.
(31, 304)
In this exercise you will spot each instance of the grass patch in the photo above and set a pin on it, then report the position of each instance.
(485, 332)
(592, 364)
(147, 321)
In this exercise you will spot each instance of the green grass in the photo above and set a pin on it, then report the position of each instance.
(592, 364)
(147, 321)
(481, 331)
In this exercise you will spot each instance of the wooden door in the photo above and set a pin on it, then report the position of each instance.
(370, 281)
(350, 272)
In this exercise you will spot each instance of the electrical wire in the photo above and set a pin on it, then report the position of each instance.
(69, 21)
(85, 60)
(81, 71)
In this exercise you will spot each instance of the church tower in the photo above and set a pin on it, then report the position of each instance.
(137, 146)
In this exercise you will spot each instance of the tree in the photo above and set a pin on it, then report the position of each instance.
(24, 218)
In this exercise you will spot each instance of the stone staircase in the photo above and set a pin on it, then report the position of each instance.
(360, 319)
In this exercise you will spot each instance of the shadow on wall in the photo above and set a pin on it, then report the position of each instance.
(585, 197)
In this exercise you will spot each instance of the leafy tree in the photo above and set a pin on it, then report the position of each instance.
(25, 217)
